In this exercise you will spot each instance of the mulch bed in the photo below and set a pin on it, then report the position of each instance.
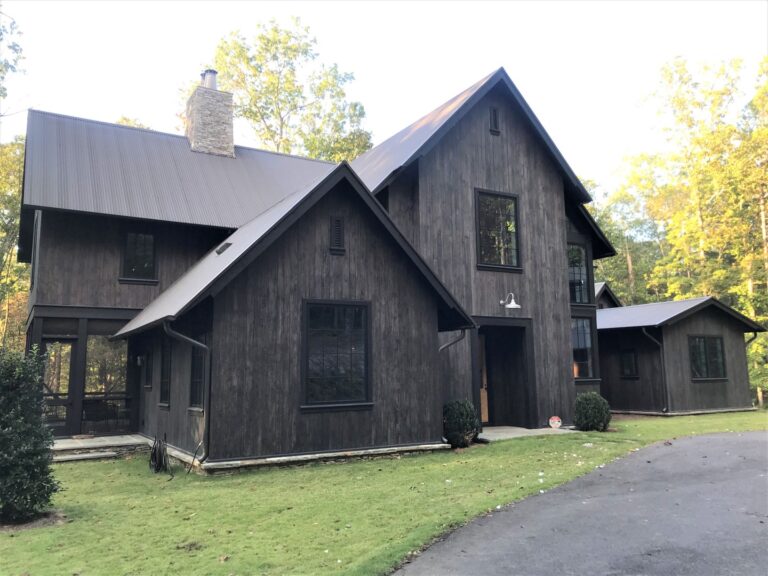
(51, 518)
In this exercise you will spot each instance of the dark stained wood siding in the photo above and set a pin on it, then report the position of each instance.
(403, 204)
(257, 331)
(687, 394)
(470, 157)
(644, 393)
(80, 259)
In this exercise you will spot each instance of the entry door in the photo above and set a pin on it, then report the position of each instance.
(58, 387)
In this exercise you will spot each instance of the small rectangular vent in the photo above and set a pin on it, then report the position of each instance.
(223, 248)
(337, 235)
(494, 121)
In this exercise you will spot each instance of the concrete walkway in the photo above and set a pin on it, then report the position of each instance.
(493, 433)
(98, 443)
(693, 507)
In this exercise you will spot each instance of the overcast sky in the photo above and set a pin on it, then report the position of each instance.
(586, 68)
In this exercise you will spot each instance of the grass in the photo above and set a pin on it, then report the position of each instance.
(359, 517)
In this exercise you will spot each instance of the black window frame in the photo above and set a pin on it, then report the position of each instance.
(147, 369)
(127, 277)
(634, 370)
(585, 292)
(707, 364)
(166, 369)
(367, 403)
(197, 382)
(516, 268)
(494, 121)
(592, 348)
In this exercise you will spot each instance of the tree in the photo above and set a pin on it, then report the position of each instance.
(14, 276)
(10, 50)
(126, 121)
(294, 104)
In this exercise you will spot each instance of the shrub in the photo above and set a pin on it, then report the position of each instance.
(592, 412)
(460, 423)
(26, 479)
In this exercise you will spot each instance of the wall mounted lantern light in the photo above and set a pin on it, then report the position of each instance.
(509, 302)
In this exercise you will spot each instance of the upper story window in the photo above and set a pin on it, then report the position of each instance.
(498, 243)
(577, 274)
(336, 350)
(139, 256)
(581, 340)
(707, 357)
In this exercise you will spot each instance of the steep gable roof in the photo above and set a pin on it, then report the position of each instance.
(602, 288)
(96, 167)
(378, 166)
(665, 313)
(221, 265)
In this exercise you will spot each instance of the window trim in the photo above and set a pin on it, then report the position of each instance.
(165, 403)
(707, 378)
(124, 277)
(636, 374)
(366, 404)
(148, 368)
(586, 287)
(498, 267)
(195, 350)
(593, 348)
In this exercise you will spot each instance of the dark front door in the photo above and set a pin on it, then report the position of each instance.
(505, 397)
(58, 387)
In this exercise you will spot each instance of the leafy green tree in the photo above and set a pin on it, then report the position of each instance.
(10, 50)
(293, 103)
(14, 276)
(126, 121)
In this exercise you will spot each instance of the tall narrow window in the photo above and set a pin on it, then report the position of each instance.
(497, 230)
(337, 235)
(336, 353)
(165, 371)
(139, 256)
(629, 364)
(494, 121)
(577, 274)
(707, 357)
(197, 375)
(146, 369)
(581, 339)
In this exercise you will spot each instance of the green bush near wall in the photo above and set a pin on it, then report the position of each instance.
(26, 479)
(592, 412)
(460, 423)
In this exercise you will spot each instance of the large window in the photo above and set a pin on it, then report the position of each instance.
(139, 256)
(707, 356)
(577, 274)
(197, 375)
(336, 353)
(165, 371)
(581, 338)
(497, 230)
(105, 369)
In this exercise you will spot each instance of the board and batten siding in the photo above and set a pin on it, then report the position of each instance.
(257, 334)
(470, 157)
(687, 394)
(645, 392)
(80, 259)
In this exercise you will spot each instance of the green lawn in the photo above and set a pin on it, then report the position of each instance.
(356, 517)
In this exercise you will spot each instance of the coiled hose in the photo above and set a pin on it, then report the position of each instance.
(158, 457)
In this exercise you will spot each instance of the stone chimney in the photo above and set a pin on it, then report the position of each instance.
(209, 118)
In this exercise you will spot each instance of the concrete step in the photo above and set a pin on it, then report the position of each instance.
(100, 455)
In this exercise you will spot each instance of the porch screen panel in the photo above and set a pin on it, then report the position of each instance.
(106, 406)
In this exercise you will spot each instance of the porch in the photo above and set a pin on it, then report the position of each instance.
(97, 447)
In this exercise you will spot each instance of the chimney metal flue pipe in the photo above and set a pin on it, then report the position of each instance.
(209, 79)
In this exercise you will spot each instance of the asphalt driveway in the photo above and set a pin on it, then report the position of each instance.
(697, 506)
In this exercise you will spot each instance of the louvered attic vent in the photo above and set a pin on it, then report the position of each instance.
(494, 121)
(337, 235)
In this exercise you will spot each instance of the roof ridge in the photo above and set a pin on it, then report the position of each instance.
(699, 298)
(171, 134)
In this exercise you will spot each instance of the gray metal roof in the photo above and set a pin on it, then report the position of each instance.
(663, 313)
(599, 288)
(379, 164)
(89, 166)
(215, 266)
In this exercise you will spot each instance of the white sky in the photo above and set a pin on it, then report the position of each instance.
(586, 68)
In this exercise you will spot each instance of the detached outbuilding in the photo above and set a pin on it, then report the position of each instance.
(675, 357)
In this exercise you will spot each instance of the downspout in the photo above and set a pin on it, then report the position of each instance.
(456, 340)
(206, 441)
(754, 336)
(663, 369)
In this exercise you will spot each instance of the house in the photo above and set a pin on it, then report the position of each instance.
(247, 304)
(604, 296)
(678, 357)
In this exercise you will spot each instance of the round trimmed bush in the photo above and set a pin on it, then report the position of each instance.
(460, 423)
(592, 412)
(26, 480)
